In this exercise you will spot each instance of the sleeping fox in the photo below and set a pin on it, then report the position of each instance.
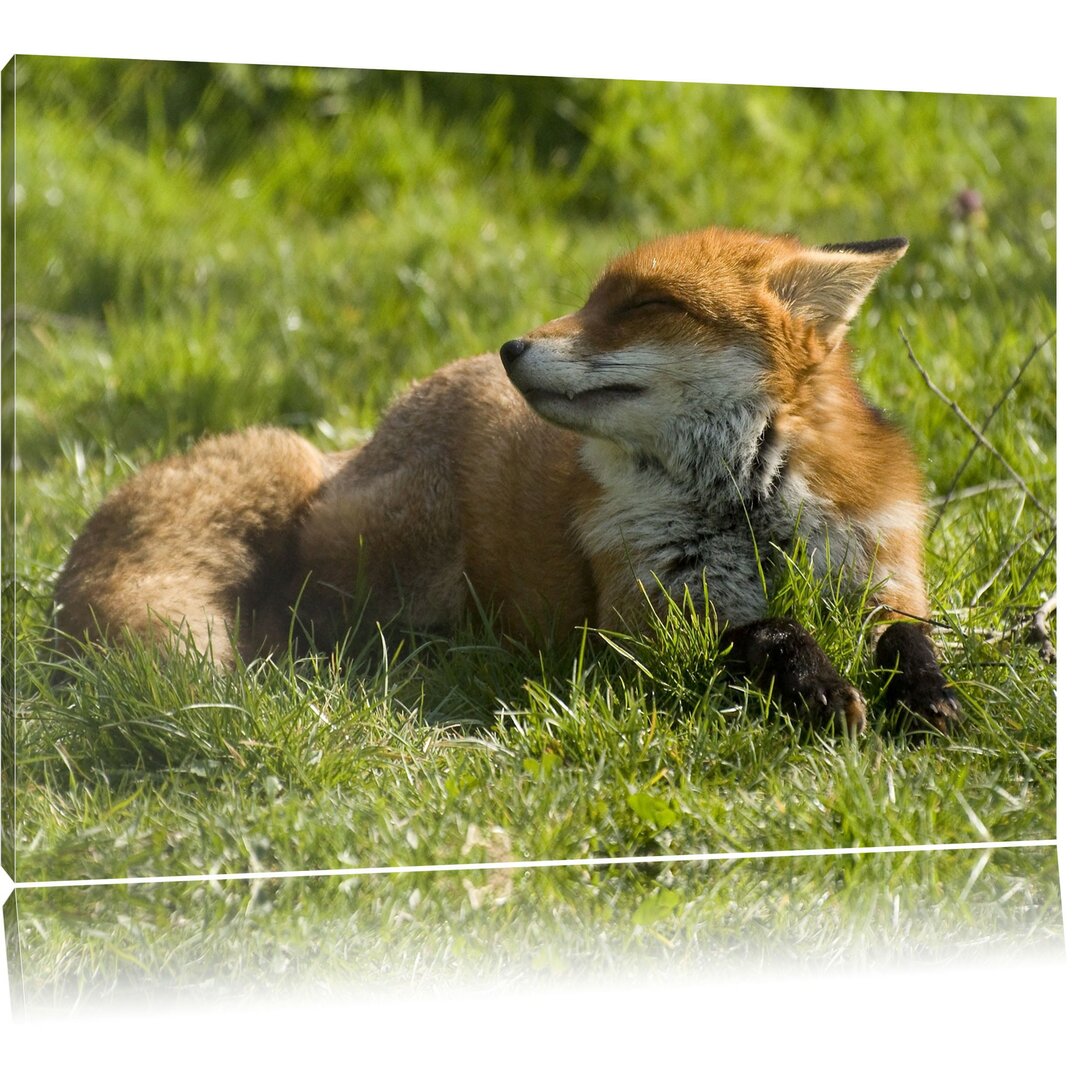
(698, 413)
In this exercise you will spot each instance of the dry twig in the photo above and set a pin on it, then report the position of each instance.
(962, 417)
(950, 489)
(1031, 626)
(1037, 632)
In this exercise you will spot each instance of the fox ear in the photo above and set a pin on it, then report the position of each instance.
(827, 285)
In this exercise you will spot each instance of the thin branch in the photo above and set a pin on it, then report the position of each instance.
(986, 423)
(970, 492)
(1033, 627)
(1009, 558)
(1035, 569)
(959, 413)
(1037, 632)
(1000, 567)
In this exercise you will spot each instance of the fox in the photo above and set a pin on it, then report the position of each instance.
(698, 415)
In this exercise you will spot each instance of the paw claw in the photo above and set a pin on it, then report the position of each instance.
(854, 712)
(943, 711)
(842, 703)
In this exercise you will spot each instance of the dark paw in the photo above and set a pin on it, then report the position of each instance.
(833, 701)
(781, 654)
(825, 698)
(934, 705)
(917, 685)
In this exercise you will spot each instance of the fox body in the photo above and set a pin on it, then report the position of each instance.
(696, 413)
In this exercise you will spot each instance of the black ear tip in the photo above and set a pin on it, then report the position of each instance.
(869, 247)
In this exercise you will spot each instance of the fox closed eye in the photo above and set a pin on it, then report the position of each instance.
(652, 302)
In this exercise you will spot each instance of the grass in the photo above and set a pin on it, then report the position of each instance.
(205, 247)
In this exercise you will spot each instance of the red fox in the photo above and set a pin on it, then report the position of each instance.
(656, 446)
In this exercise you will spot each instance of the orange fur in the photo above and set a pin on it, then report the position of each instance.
(191, 540)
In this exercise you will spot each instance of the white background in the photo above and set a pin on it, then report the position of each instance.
(989, 1021)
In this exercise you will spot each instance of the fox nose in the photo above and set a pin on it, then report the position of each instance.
(512, 350)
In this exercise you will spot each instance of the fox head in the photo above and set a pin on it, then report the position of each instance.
(712, 320)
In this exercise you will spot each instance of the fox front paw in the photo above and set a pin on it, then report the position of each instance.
(917, 685)
(931, 700)
(781, 654)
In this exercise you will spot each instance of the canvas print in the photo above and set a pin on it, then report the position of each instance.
(464, 527)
